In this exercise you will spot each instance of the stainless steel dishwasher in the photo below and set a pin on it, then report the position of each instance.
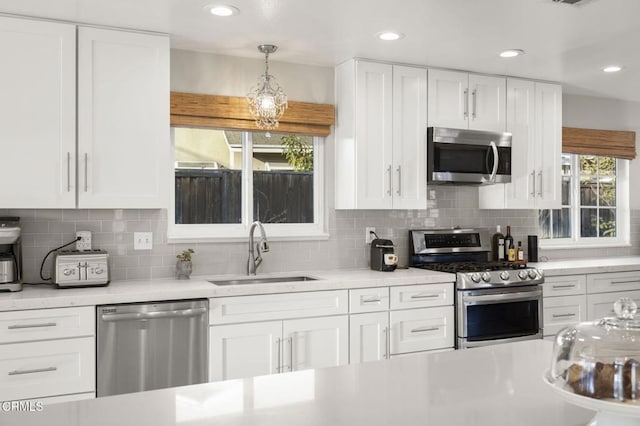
(151, 346)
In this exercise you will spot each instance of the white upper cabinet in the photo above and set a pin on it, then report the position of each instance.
(466, 101)
(123, 119)
(37, 114)
(117, 157)
(380, 136)
(534, 118)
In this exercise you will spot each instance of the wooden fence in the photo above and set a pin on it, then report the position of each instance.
(214, 196)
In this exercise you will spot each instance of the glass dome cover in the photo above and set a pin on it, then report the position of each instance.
(601, 359)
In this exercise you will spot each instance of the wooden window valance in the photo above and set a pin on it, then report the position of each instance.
(232, 113)
(611, 143)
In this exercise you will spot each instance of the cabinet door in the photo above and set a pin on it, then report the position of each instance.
(601, 305)
(244, 350)
(409, 137)
(368, 337)
(566, 285)
(37, 114)
(315, 342)
(560, 312)
(422, 329)
(448, 99)
(123, 113)
(487, 103)
(374, 169)
(548, 145)
(613, 281)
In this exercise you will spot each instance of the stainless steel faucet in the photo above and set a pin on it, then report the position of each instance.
(261, 247)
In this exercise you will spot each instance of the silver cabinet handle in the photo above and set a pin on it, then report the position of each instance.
(564, 286)
(624, 282)
(533, 183)
(390, 179)
(21, 326)
(399, 191)
(540, 183)
(35, 370)
(473, 96)
(385, 332)
(496, 160)
(86, 172)
(425, 296)
(68, 172)
(290, 339)
(278, 367)
(466, 103)
(422, 329)
(154, 315)
(373, 299)
(563, 315)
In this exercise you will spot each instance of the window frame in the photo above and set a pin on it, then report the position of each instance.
(622, 238)
(234, 232)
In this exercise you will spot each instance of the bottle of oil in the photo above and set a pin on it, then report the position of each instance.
(497, 244)
(509, 248)
(520, 253)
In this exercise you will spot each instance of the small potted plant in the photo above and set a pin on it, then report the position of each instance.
(183, 266)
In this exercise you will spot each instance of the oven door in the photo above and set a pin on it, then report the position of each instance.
(468, 156)
(490, 316)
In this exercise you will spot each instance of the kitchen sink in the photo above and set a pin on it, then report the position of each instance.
(262, 280)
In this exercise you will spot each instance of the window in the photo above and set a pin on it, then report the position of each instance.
(225, 180)
(594, 203)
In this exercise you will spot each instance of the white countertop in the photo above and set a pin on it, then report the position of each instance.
(588, 266)
(493, 386)
(48, 296)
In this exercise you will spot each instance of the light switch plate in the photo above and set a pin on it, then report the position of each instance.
(368, 236)
(143, 240)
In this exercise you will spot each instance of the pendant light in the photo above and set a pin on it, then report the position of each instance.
(267, 100)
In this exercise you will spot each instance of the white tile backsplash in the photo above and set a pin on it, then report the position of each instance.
(113, 231)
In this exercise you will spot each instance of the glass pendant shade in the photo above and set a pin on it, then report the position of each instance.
(267, 100)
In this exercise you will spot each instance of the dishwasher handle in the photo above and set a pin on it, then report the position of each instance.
(181, 313)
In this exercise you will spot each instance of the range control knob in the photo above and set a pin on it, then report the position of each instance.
(98, 271)
(504, 275)
(67, 272)
(486, 276)
(475, 277)
(533, 274)
(523, 275)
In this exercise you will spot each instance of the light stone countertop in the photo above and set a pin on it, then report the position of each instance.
(48, 296)
(588, 266)
(498, 385)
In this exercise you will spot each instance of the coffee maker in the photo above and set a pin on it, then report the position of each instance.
(383, 257)
(10, 254)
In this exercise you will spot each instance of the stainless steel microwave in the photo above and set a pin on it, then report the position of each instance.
(468, 156)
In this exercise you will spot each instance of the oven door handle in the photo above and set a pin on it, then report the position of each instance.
(489, 299)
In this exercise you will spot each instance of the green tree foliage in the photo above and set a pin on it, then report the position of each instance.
(298, 153)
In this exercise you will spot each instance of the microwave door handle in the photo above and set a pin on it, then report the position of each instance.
(496, 158)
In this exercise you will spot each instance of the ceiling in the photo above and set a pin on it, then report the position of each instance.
(565, 43)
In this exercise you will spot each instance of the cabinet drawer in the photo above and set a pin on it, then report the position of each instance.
(421, 296)
(569, 285)
(421, 329)
(226, 310)
(43, 324)
(601, 305)
(38, 369)
(560, 312)
(617, 281)
(369, 300)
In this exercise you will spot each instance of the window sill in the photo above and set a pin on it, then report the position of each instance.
(237, 236)
(573, 246)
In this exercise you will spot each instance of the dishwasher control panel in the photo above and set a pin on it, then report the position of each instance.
(81, 268)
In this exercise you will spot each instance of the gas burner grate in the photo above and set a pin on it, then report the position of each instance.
(472, 266)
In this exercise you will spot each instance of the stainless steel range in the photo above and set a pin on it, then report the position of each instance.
(496, 302)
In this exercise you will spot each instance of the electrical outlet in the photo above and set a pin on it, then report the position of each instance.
(142, 240)
(368, 236)
(85, 240)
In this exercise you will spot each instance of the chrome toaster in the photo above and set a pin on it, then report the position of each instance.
(75, 268)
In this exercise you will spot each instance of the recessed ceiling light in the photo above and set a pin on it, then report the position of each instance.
(390, 36)
(612, 68)
(511, 53)
(222, 9)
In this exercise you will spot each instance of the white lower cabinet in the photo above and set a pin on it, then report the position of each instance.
(561, 312)
(368, 337)
(47, 353)
(601, 305)
(422, 329)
